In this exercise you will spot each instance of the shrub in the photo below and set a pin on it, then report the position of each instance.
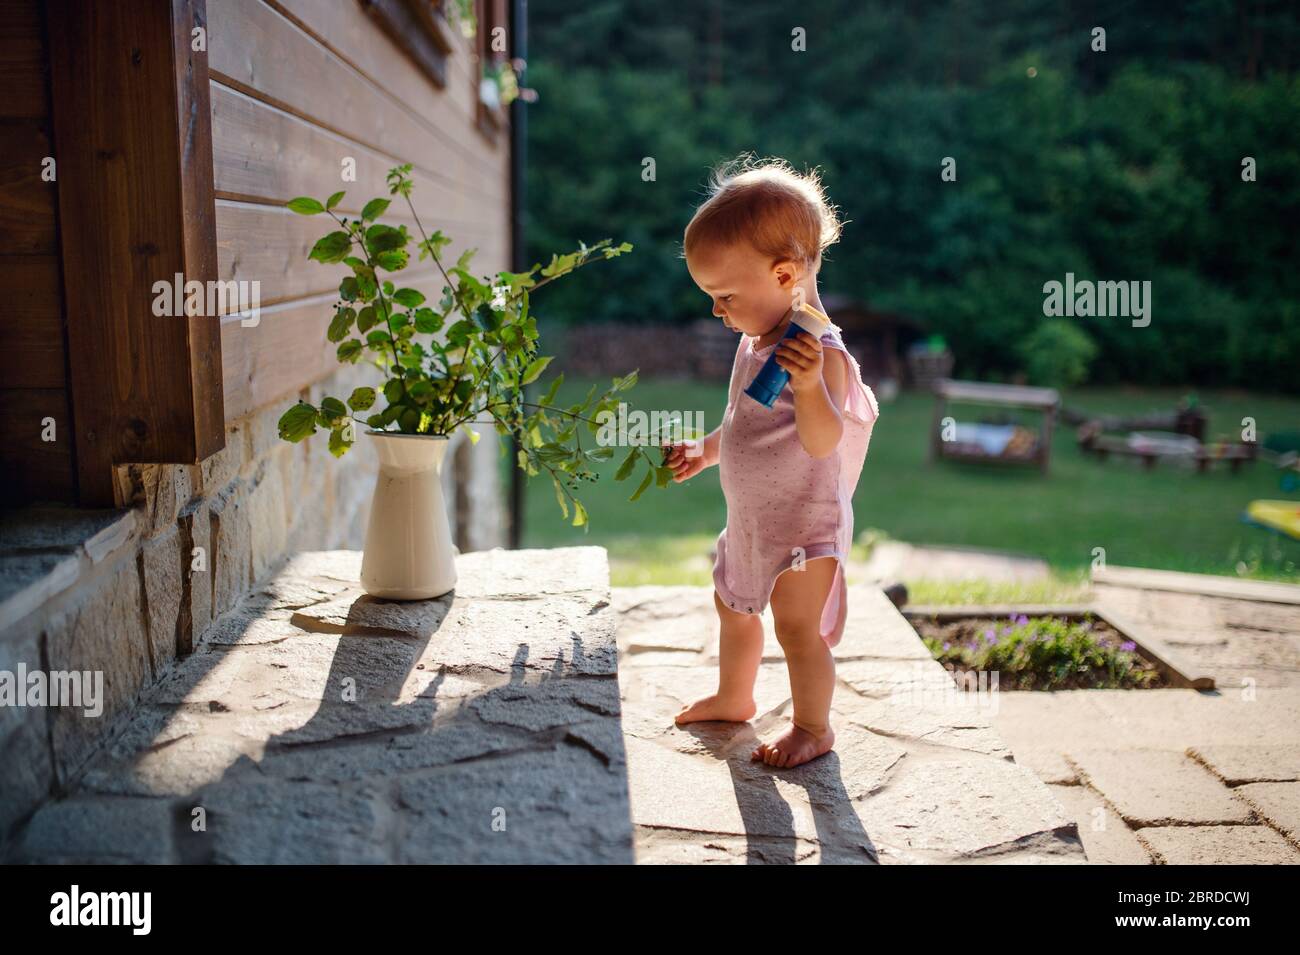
(1057, 354)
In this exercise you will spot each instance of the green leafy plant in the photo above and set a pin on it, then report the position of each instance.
(461, 13)
(480, 364)
(503, 77)
(1044, 653)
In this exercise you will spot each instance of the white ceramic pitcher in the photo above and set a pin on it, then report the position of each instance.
(409, 553)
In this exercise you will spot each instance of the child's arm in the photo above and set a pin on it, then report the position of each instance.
(820, 387)
(710, 446)
(684, 466)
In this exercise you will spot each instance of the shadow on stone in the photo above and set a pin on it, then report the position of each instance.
(321, 725)
(771, 834)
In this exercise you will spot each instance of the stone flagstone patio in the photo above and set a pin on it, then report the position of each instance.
(315, 724)
(917, 774)
(1180, 776)
(319, 725)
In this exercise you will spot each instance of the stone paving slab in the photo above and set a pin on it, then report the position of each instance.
(1250, 764)
(321, 725)
(45, 550)
(915, 776)
(1049, 765)
(1217, 845)
(1106, 839)
(107, 831)
(1172, 719)
(1209, 585)
(1159, 788)
(1233, 739)
(1278, 804)
(1239, 642)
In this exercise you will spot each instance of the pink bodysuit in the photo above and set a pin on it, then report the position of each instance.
(779, 497)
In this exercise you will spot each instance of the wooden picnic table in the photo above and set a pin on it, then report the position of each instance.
(1105, 445)
(1044, 400)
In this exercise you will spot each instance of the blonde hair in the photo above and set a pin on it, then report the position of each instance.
(782, 213)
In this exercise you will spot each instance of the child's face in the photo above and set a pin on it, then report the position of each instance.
(750, 292)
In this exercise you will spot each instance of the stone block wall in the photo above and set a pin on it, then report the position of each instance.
(127, 593)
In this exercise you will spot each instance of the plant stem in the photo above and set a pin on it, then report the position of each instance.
(585, 260)
(454, 288)
(533, 404)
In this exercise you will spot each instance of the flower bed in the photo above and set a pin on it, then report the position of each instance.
(1041, 652)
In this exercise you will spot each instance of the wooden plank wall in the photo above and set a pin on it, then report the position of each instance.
(32, 338)
(130, 95)
(298, 86)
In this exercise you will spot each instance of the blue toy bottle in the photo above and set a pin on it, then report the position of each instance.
(771, 378)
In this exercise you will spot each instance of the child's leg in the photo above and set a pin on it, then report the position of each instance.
(797, 602)
(740, 651)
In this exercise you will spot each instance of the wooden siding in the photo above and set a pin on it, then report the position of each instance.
(34, 384)
(297, 87)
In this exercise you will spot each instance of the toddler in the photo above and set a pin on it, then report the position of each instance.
(788, 472)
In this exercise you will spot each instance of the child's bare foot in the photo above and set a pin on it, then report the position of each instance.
(716, 708)
(796, 745)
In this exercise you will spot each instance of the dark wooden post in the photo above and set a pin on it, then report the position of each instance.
(133, 143)
(936, 426)
(1045, 452)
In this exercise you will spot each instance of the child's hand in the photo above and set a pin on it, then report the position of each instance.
(686, 458)
(801, 356)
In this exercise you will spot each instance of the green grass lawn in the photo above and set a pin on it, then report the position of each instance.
(1171, 518)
